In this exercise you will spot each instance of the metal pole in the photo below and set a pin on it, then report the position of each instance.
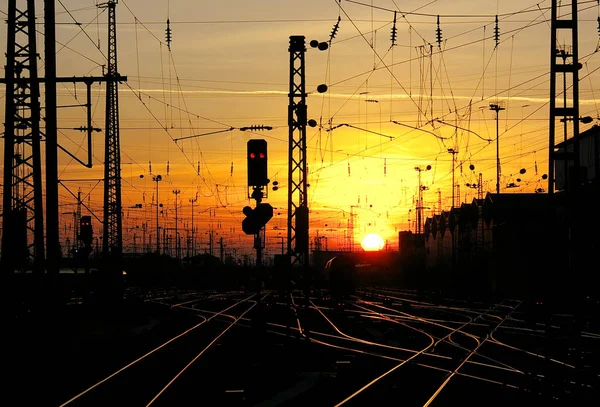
(157, 230)
(496, 107)
(419, 204)
(453, 182)
(9, 143)
(176, 192)
(90, 129)
(453, 152)
(157, 178)
(575, 80)
(144, 248)
(52, 228)
(552, 124)
(297, 225)
(193, 200)
(221, 249)
(497, 156)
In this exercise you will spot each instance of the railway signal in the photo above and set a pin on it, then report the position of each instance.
(257, 163)
(86, 234)
(256, 218)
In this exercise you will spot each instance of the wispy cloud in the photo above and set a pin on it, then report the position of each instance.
(345, 96)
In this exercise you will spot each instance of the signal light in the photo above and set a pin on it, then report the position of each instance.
(256, 218)
(257, 163)
(86, 233)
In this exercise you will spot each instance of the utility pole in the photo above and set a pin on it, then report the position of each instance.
(157, 179)
(453, 152)
(27, 86)
(193, 201)
(221, 249)
(22, 182)
(568, 114)
(419, 207)
(166, 249)
(176, 192)
(566, 253)
(112, 243)
(298, 224)
(144, 247)
(71, 248)
(51, 135)
(297, 227)
(351, 229)
(496, 107)
(78, 216)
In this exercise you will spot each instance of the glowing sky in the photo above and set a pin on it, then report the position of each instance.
(228, 67)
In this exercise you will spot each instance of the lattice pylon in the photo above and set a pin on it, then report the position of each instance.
(297, 242)
(112, 232)
(23, 223)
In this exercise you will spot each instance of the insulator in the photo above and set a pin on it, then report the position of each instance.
(497, 33)
(150, 167)
(394, 31)
(168, 167)
(348, 168)
(255, 127)
(231, 170)
(168, 33)
(334, 30)
(536, 169)
(438, 33)
(385, 166)
(198, 169)
(598, 25)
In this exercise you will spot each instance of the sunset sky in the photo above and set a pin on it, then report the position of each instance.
(228, 67)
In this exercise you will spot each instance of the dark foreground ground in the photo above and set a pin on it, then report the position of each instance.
(376, 347)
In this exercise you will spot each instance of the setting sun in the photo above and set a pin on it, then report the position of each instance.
(372, 243)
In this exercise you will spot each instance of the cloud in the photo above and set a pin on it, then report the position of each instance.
(398, 96)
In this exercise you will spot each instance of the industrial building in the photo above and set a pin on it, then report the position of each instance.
(519, 244)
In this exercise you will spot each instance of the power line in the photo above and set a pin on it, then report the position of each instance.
(460, 15)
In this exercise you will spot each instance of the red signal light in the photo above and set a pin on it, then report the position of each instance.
(257, 162)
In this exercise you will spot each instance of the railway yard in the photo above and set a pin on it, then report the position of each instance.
(373, 347)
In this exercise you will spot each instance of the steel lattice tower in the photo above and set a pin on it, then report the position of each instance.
(564, 60)
(297, 228)
(22, 222)
(112, 243)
